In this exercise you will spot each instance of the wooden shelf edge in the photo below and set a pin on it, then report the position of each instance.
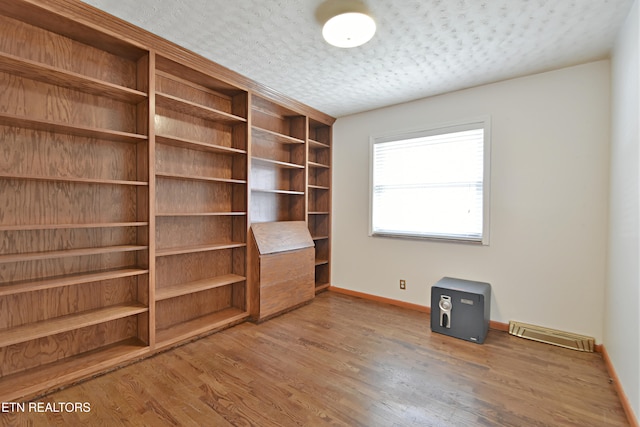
(200, 178)
(57, 76)
(184, 106)
(289, 192)
(197, 286)
(317, 187)
(186, 214)
(27, 227)
(276, 136)
(319, 237)
(317, 144)
(191, 329)
(319, 213)
(70, 129)
(196, 145)
(77, 279)
(321, 262)
(36, 381)
(198, 248)
(318, 165)
(34, 256)
(73, 180)
(277, 163)
(68, 323)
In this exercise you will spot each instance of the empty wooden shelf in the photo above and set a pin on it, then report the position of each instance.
(60, 77)
(278, 162)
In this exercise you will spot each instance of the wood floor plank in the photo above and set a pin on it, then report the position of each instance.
(343, 361)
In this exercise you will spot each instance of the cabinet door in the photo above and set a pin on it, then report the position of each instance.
(286, 280)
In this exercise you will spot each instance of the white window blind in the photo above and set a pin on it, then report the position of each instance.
(431, 184)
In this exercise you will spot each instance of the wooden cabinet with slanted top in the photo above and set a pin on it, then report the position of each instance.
(283, 268)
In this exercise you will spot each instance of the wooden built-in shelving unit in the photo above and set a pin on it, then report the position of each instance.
(131, 171)
(319, 189)
(74, 197)
(278, 162)
(201, 201)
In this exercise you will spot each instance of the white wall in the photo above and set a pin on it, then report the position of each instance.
(622, 321)
(550, 155)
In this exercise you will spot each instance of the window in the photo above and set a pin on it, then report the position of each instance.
(432, 183)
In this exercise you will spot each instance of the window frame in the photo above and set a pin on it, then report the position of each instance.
(483, 122)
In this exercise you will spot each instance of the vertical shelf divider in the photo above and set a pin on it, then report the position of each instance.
(151, 207)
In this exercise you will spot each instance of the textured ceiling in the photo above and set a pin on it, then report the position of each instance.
(422, 47)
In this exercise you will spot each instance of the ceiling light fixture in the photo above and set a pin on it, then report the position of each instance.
(346, 23)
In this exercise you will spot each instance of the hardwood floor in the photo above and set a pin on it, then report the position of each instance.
(344, 361)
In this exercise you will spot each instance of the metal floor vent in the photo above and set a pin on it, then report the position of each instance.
(552, 336)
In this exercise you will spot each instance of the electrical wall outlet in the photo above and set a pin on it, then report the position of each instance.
(403, 284)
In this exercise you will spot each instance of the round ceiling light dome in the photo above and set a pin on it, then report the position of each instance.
(349, 29)
(345, 23)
